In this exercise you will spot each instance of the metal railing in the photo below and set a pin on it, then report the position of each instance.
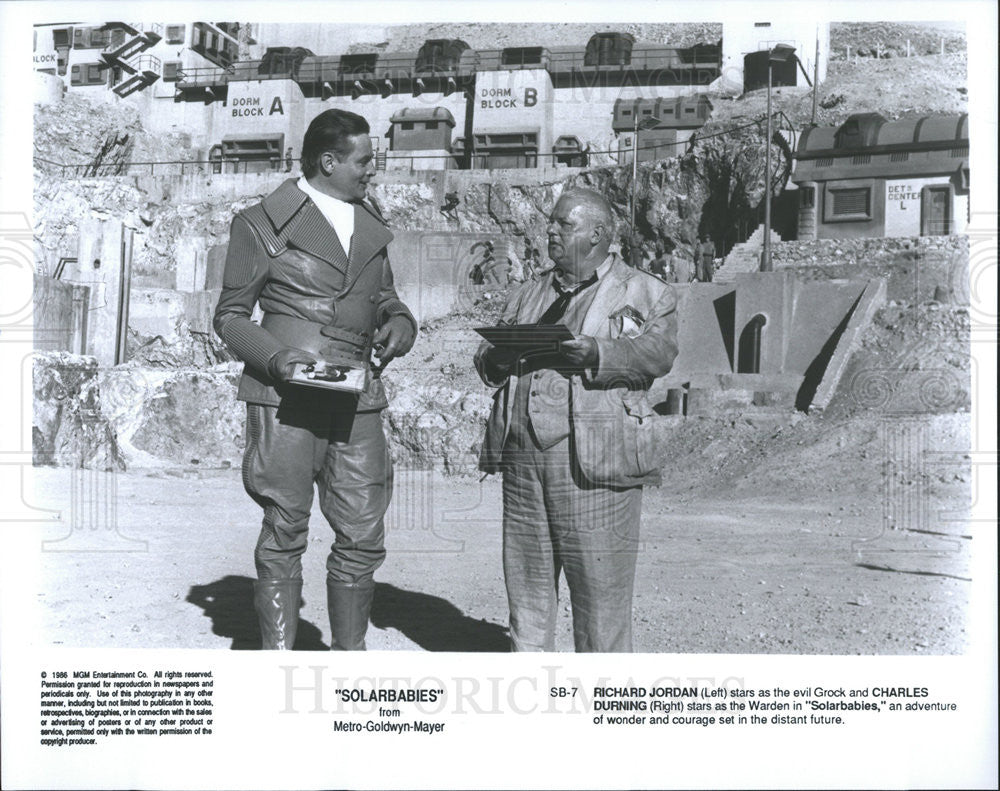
(392, 162)
(328, 68)
(611, 157)
(146, 62)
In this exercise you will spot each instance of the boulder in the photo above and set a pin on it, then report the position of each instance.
(176, 418)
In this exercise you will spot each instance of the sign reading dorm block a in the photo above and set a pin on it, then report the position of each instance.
(261, 107)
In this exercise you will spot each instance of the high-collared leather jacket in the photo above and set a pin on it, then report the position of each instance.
(315, 296)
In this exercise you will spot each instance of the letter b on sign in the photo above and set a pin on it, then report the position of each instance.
(530, 97)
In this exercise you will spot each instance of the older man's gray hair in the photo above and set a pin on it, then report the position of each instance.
(595, 207)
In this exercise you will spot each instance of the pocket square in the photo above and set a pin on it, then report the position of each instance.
(627, 321)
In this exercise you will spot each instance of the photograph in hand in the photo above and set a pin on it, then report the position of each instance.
(330, 376)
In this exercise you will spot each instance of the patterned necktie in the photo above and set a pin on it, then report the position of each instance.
(556, 310)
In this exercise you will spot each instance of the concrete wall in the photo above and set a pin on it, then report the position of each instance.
(49, 88)
(60, 315)
(804, 322)
(769, 295)
(160, 311)
(704, 329)
(818, 310)
(433, 269)
(100, 241)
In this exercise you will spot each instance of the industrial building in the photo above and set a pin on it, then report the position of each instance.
(246, 103)
(874, 177)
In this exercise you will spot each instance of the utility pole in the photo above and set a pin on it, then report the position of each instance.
(765, 257)
(815, 80)
(648, 123)
(781, 53)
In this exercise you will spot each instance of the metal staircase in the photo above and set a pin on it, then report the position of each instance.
(142, 70)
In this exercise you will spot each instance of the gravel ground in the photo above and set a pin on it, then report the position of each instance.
(732, 569)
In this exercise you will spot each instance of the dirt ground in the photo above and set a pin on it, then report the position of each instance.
(165, 560)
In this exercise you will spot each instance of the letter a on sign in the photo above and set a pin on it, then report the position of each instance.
(276, 106)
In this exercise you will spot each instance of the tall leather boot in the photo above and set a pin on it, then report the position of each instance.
(277, 605)
(350, 605)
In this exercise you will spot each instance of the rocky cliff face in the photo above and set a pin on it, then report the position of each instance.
(174, 403)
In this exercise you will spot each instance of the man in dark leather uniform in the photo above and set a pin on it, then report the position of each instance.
(312, 255)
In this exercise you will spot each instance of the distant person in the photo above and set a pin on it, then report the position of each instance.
(706, 260)
(571, 431)
(450, 206)
(659, 265)
(288, 160)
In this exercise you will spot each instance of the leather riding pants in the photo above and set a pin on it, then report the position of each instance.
(344, 454)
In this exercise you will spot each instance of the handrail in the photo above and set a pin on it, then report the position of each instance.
(321, 68)
(278, 162)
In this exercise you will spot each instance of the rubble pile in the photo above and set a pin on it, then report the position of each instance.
(69, 427)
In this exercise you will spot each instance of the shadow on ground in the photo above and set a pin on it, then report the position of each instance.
(228, 602)
(433, 623)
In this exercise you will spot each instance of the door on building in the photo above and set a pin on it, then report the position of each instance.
(935, 211)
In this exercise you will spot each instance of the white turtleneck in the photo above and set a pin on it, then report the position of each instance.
(340, 214)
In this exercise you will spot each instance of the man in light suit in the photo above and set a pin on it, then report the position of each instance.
(571, 431)
(313, 256)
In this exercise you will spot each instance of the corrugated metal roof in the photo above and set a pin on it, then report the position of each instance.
(423, 114)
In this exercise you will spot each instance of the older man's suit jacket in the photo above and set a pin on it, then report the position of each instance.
(316, 296)
(633, 319)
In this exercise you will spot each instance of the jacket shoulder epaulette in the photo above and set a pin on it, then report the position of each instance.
(257, 218)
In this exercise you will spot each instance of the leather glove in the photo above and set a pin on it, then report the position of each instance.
(393, 339)
(499, 362)
(280, 366)
(581, 352)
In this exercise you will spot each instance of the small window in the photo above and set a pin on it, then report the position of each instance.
(406, 125)
(626, 112)
(431, 125)
(689, 110)
(170, 69)
(807, 197)
(86, 74)
(359, 64)
(762, 24)
(521, 56)
(851, 201)
(175, 34)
